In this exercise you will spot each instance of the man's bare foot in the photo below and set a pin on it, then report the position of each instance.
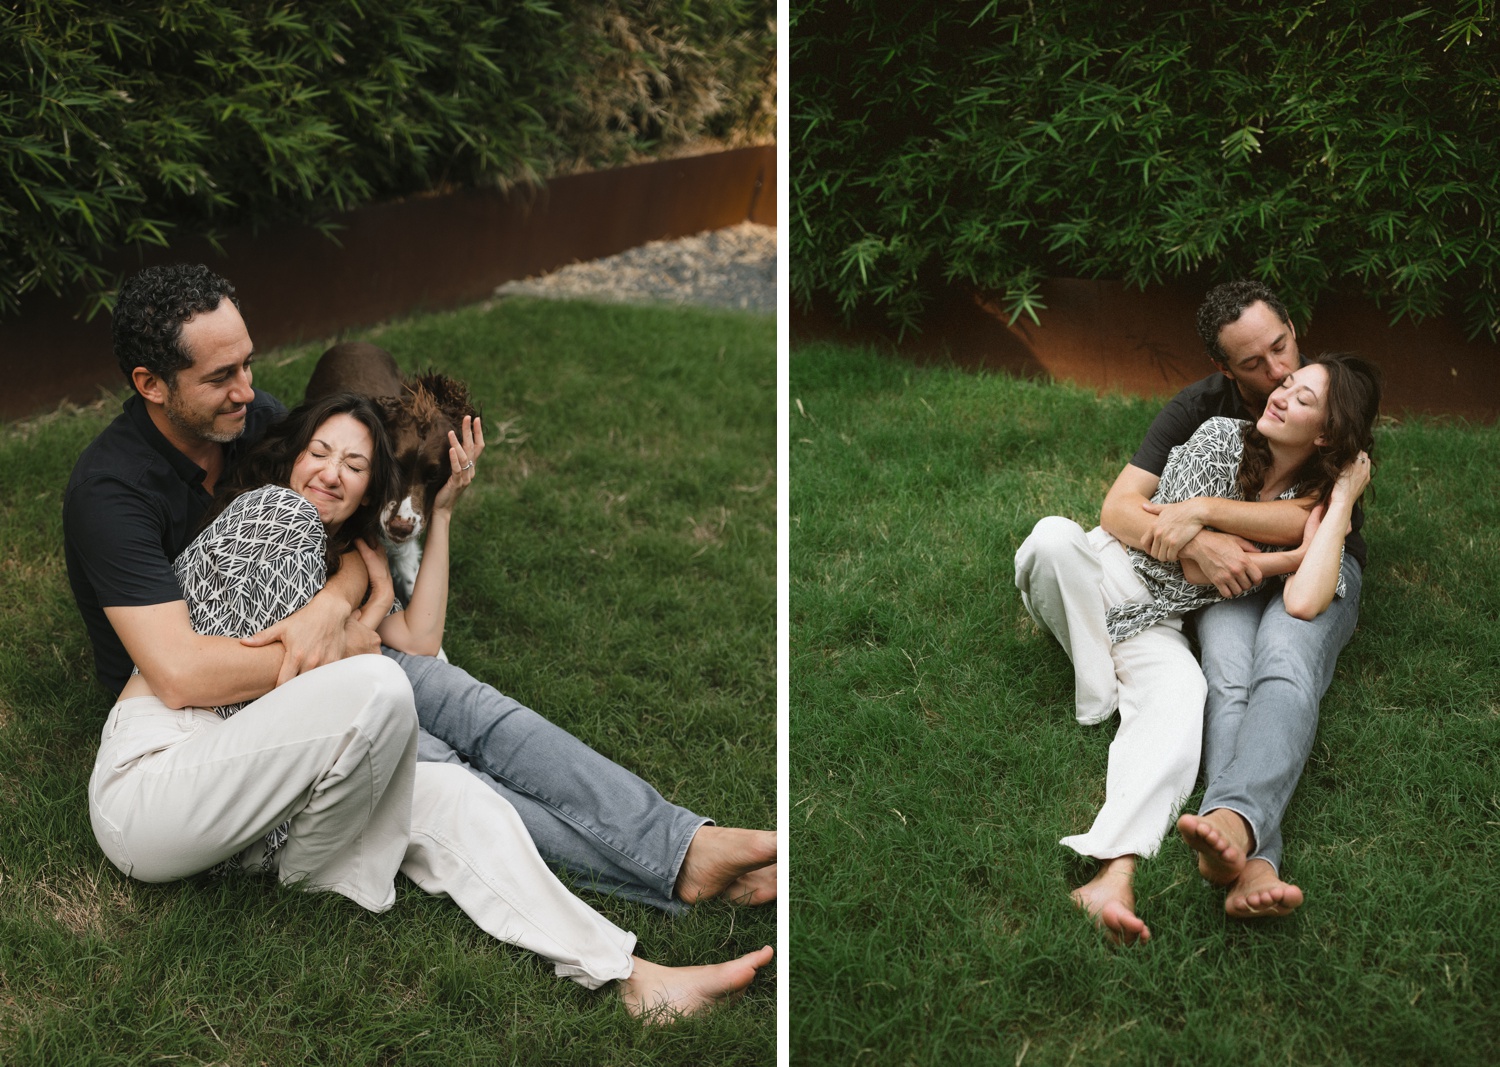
(719, 856)
(1109, 898)
(658, 994)
(1258, 893)
(755, 887)
(1221, 840)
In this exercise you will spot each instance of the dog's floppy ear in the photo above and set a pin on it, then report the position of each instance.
(450, 395)
(392, 411)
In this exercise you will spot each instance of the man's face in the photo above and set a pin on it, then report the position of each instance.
(210, 398)
(1260, 352)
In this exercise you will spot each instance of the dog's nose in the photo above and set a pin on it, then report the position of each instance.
(399, 528)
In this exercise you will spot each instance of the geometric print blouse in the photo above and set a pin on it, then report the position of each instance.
(254, 565)
(1207, 464)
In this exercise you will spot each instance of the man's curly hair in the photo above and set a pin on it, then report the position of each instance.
(1224, 304)
(150, 311)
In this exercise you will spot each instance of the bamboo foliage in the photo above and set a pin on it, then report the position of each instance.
(1341, 145)
(125, 121)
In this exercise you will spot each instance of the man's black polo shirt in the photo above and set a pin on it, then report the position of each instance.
(1216, 395)
(131, 505)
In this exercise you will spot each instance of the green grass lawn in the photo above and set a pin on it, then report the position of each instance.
(614, 568)
(935, 760)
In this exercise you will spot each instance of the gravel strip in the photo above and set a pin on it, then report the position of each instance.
(729, 268)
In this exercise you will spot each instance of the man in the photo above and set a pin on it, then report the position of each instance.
(133, 502)
(1266, 671)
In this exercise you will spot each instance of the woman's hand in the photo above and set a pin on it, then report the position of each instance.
(382, 591)
(1354, 478)
(461, 455)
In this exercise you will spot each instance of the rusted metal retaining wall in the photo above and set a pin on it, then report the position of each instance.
(1105, 336)
(423, 253)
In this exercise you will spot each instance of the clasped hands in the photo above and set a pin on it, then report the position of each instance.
(1208, 557)
(1227, 561)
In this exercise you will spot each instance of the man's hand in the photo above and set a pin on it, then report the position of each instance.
(1224, 561)
(1175, 526)
(315, 634)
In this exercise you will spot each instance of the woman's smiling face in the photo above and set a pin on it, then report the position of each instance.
(1297, 411)
(333, 472)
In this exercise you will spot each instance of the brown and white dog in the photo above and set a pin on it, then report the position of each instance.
(418, 413)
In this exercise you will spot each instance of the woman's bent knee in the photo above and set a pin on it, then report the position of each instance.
(1052, 536)
(372, 685)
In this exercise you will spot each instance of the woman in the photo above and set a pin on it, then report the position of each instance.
(1312, 444)
(310, 490)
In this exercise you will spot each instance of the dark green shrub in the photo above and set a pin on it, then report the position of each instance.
(123, 120)
(1343, 144)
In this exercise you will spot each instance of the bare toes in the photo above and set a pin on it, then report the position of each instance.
(1122, 924)
(752, 889)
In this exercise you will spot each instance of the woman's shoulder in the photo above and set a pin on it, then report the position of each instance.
(1219, 429)
(272, 499)
(270, 503)
(1204, 465)
(269, 515)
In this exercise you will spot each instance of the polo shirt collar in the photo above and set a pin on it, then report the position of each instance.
(1237, 398)
(140, 418)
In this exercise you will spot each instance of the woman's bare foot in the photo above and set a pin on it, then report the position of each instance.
(1258, 893)
(1221, 840)
(719, 856)
(1109, 898)
(755, 887)
(658, 994)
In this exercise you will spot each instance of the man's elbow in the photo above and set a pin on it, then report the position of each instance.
(172, 686)
(1109, 515)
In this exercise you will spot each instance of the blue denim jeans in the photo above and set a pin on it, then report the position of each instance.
(1266, 673)
(586, 814)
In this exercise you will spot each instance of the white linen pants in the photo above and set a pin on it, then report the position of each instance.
(176, 791)
(469, 843)
(1068, 579)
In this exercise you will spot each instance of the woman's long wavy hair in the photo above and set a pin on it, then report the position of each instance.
(1353, 403)
(270, 462)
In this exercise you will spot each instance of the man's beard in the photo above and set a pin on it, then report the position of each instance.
(197, 427)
